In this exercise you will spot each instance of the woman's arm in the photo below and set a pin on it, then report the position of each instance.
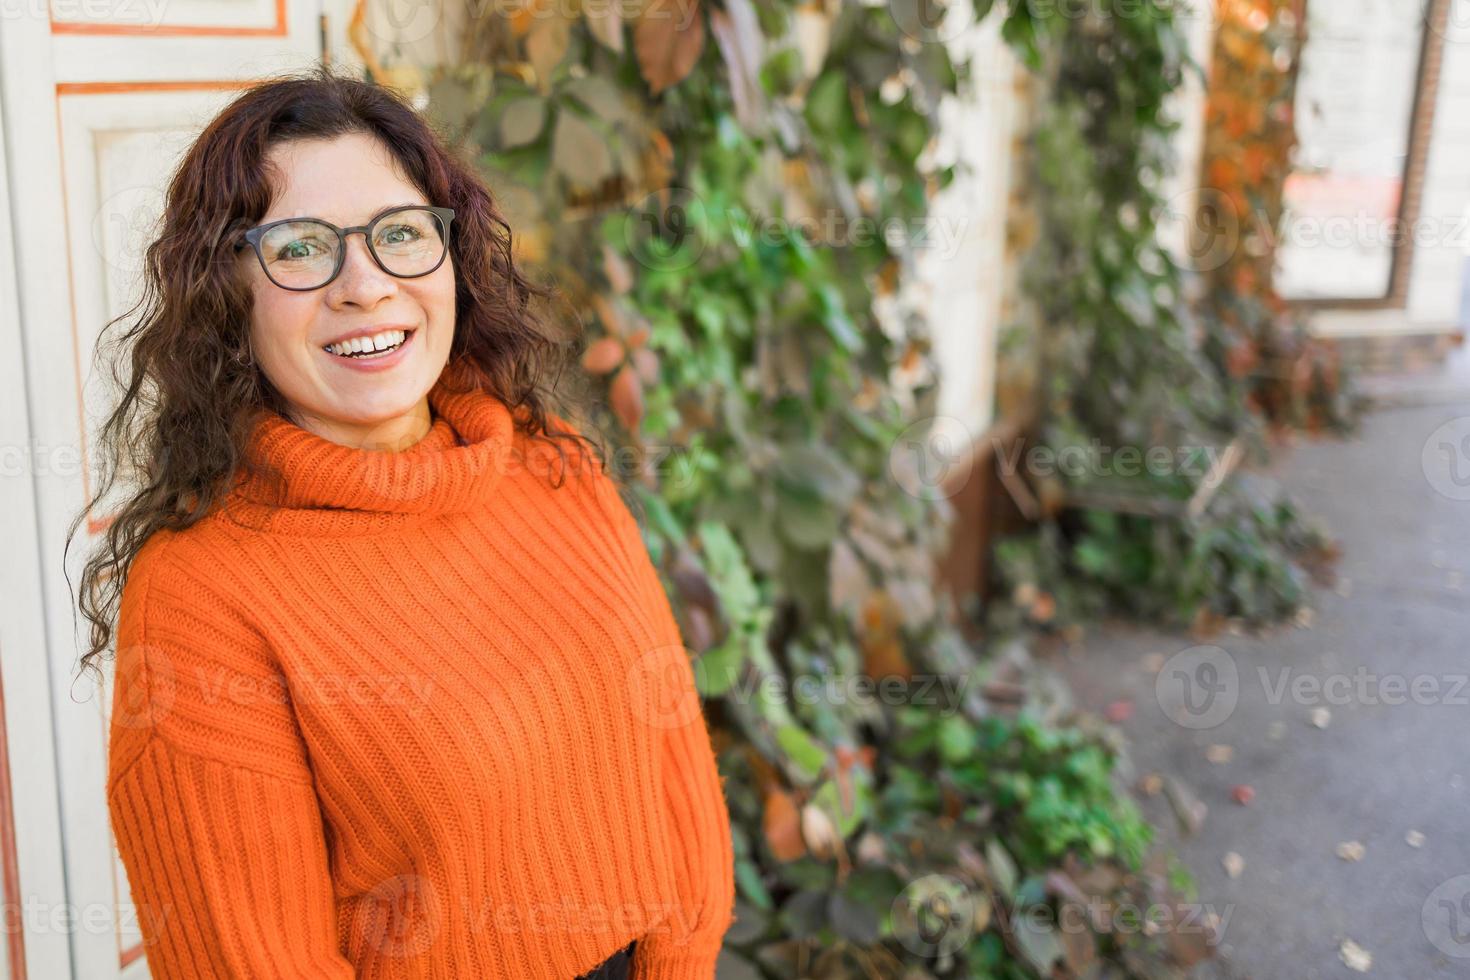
(686, 944)
(210, 794)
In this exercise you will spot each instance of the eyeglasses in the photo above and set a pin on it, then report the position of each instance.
(307, 253)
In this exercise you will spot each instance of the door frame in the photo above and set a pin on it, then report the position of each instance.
(1433, 31)
(56, 866)
(32, 858)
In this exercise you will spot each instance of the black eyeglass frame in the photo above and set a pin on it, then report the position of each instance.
(254, 235)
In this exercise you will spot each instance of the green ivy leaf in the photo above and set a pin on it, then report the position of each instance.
(748, 877)
(956, 739)
(1039, 944)
(853, 920)
(808, 756)
(1020, 33)
(717, 669)
(847, 819)
(521, 122)
(1002, 867)
(835, 319)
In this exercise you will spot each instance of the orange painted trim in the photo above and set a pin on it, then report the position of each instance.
(278, 29)
(96, 525)
(115, 88)
(15, 940)
(71, 300)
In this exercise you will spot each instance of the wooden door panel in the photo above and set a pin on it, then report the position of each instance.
(99, 102)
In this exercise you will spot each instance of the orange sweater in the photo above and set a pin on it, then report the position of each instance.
(426, 716)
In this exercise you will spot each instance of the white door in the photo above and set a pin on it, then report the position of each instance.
(97, 101)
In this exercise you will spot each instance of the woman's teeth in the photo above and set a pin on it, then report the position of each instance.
(368, 346)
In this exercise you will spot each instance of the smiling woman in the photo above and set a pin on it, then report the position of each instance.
(390, 701)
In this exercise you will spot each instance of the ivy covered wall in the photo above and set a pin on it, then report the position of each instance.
(711, 188)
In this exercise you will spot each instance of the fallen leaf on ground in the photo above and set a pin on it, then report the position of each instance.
(1220, 754)
(1414, 839)
(1243, 794)
(1234, 864)
(1151, 784)
(1321, 717)
(1119, 711)
(1351, 850)
(1190, 809)
(1355, 956)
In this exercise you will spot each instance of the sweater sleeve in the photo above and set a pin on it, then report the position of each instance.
(686, 944)
(210, 796)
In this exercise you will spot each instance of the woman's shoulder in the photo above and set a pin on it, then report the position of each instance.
(188, 640)
(209, 550)
(164, 558)
(193, 584)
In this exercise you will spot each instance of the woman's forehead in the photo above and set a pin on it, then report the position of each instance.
(346, 180)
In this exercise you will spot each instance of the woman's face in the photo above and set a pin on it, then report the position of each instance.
(348, 181)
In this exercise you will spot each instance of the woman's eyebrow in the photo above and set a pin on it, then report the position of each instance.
(382, 211)
(371, 218)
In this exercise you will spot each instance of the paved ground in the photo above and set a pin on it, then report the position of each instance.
(1380, 769)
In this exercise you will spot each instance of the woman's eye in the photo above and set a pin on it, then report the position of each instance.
(399, 235)
(301, 248)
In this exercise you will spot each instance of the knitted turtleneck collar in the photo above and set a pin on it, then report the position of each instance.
(330, 488)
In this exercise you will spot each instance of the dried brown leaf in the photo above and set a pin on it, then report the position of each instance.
(602, 356)
(668, 40)
(626, 396)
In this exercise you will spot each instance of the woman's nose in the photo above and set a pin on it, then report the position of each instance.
(362, 280)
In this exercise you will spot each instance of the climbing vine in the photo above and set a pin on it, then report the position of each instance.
(725, 196)
(1258, 346)
(1176, 533)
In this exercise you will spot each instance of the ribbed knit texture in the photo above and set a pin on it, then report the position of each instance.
(424, 715)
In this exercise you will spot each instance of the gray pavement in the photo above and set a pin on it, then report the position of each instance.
(1393, 759)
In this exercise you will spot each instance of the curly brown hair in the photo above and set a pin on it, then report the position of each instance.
(191, 388)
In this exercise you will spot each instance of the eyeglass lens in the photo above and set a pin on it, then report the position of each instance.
(302, 254)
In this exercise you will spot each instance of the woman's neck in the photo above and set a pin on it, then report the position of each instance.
(391, 435)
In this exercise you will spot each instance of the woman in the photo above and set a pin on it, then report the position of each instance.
(398, 690)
